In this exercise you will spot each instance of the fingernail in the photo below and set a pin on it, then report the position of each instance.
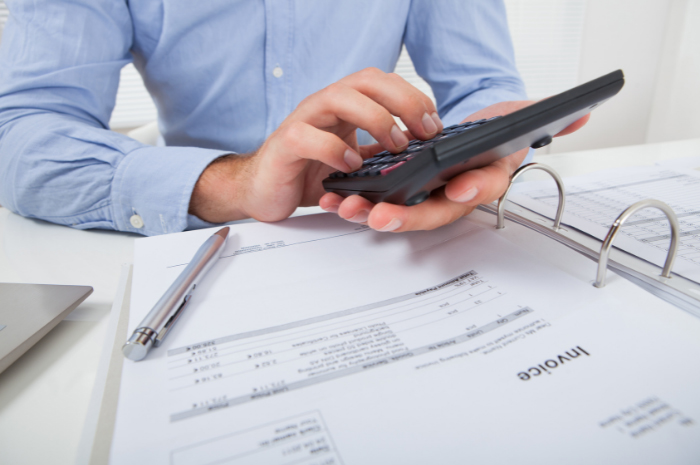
(360, 217)
(429, 125)
(467, 195)
(438, 121)
(392, 225)
(398, 137)
(352, 159)
(331, 208)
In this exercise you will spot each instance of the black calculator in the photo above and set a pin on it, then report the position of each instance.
(408, 177)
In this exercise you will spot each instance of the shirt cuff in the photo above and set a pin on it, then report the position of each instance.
(152, 187)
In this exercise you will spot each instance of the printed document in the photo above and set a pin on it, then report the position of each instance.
(318, 341)
(594, 201)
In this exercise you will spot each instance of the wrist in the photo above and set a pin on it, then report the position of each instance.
(217, 196)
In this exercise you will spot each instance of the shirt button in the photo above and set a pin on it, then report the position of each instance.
(136, 221)
(277, 72)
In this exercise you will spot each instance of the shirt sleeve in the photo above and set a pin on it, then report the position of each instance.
(59, 73)
(462, 48)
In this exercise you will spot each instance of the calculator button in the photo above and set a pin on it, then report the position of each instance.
(413, 149)
(385, 159)
(391, 168)
(364, 171)
(371, 161)
(377, 169)
(399, 157)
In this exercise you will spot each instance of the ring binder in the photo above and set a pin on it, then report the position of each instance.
(533, 166)
(619, 222)
(681, 292)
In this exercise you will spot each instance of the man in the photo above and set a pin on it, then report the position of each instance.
(283, 83)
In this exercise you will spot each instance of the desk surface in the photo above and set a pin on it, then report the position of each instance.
(44, 396)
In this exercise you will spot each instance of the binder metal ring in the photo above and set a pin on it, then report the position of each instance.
(619, 222)
(500, 223)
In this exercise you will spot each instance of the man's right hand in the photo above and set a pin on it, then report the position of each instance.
(317, 138)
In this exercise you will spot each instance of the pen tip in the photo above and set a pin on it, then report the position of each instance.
(223, 232)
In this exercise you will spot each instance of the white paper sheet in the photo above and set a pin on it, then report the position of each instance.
(594, 201)
(692, 163)
(314, 341)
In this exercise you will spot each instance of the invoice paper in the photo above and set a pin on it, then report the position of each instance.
(317, 341)
(594, 201)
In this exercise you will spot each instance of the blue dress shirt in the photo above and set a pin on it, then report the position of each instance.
(223, 74)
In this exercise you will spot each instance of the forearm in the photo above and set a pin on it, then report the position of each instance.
(61, 169)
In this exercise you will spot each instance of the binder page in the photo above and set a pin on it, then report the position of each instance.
(692, 163)
(594, 201)
(318, 341)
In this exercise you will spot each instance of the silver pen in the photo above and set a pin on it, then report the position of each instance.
(160, 320)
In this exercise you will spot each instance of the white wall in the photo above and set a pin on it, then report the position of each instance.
(626, 34)
(676, 102)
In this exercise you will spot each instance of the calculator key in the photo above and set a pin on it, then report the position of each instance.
(364, 171)
(377, 169)
(388, 170)
(371, 161)
(398, 157)
(385, 159)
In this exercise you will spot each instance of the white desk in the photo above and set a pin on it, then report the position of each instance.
(44, 396)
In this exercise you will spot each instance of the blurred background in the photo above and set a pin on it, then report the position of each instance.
(561, 43)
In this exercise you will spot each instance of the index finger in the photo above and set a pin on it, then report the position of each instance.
(401, 98)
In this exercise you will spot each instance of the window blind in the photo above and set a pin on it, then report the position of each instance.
(134, 106)
(4, 13)
(547, 37)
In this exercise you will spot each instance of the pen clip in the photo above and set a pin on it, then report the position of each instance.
(173, 319)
